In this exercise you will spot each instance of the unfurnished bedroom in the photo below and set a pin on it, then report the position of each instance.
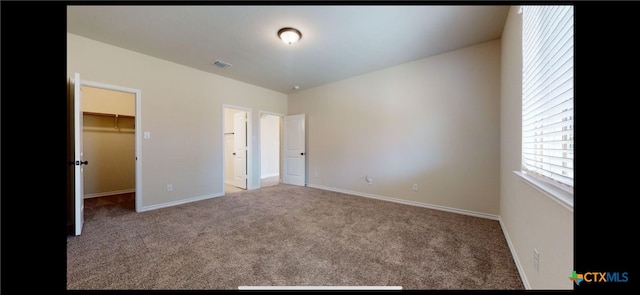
(319, 147)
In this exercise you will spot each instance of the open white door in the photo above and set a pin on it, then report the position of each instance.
(240, 149)
(79, 163)
(294, 150)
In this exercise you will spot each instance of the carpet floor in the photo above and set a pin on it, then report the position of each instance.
(286, 235)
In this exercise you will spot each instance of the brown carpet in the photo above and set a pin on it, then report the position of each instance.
(286, 235)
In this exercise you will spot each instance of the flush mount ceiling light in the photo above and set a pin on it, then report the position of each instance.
(289, 35)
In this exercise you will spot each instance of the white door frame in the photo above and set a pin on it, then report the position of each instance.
(249, 145)
(281, 116)
(138, 133)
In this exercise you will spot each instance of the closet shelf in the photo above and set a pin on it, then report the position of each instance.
(107, 115)
(115, 117)
(105, 129)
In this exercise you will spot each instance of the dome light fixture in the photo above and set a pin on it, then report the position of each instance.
(289, 35)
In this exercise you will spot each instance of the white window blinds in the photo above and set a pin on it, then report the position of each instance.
(547, 93)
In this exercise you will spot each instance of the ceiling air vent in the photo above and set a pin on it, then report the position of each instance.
(221, 64)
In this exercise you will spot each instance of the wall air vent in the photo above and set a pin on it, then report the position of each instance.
(221, 64)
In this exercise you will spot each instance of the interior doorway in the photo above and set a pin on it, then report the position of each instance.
(270, 151)
(236, 141)
(77, 161)
(109, 141)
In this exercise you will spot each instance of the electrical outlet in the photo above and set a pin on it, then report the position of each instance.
(169, 187)
(536, 259)
(414, 187)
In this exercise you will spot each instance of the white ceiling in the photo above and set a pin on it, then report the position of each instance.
(338, 41)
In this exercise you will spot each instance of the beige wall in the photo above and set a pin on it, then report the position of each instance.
(531, 219)
(434, 122)
(182, 109)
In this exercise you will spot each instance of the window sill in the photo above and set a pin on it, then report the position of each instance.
(562, 197)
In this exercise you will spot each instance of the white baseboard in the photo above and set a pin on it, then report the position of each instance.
(523, 277)
(180, 202)
(407, 202)
(95, 195)
(269, 175)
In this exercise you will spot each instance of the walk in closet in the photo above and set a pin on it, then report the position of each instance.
(109, 142)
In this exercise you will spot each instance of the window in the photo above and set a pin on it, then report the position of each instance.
(547, 95)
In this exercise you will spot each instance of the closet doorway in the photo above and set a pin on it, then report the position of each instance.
(109, 140)
(270, 152)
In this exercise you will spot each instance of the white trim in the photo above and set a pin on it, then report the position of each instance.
(180, 202)
(560, 196)
(512, 249)
(407, 202)
(269, 175)
(270, 113)
(138, 132)
(108, 86)
(118, 192)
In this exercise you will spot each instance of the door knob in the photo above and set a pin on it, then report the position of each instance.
(84, 163)
(301, 154)
(234, 154)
